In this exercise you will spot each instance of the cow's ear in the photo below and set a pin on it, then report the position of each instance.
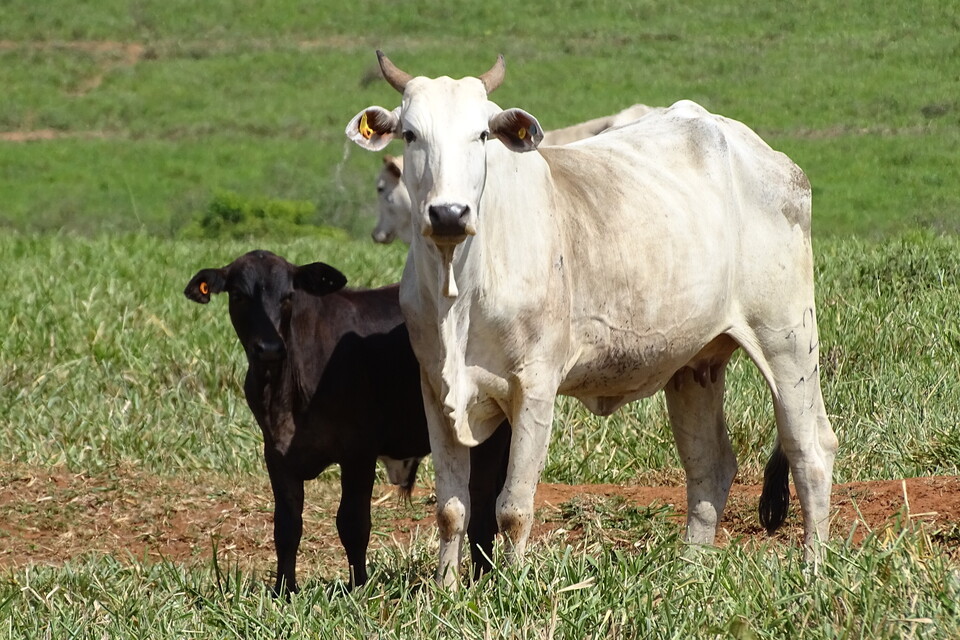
(318, 279)
(517, 129)
(373, 128)
(204, 284)
(392, 166)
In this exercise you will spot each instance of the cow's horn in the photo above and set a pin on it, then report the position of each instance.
(494, 77)
(398, 79)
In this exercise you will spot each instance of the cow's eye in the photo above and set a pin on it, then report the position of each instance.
(409, 136)
(484, 135)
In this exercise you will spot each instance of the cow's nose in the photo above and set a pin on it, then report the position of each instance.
(449, 219)
(268, 351)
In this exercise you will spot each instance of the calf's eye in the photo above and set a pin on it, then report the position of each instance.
(409, 136)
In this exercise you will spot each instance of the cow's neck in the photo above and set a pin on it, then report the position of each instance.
(289, 387)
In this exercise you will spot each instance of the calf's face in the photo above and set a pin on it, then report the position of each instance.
(260, 286)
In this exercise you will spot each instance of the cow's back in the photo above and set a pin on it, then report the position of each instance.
(668, 227)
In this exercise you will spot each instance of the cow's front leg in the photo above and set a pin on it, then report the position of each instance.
(528, 453)
(451, 462)
(353, 516)
(287, 523)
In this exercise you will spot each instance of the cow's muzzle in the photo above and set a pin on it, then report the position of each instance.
(268, 351)
(450, 221)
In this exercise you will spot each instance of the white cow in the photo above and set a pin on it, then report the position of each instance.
(393, 201)
(393, 204)
(607, 270)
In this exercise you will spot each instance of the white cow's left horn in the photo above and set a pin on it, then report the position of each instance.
(391, 73)
(494, 77)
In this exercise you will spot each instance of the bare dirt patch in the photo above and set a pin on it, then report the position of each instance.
(40, 135)
(50, 516)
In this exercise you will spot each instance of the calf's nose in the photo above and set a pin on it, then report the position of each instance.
(449, 219)
(268, 351)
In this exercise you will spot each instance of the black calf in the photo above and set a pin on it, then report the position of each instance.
(332, 379)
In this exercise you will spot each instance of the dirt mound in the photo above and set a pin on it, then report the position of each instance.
(51, 516)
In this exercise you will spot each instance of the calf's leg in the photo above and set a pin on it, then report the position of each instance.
(488, 468)
(287, 524)
(353, 516)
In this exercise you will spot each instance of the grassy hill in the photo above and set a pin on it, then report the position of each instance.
(157, 106)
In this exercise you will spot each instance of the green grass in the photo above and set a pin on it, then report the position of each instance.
(105, 318)
(103, 362)
(895, 584)
(242, 97)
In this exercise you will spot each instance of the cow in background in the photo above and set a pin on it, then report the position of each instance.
(393, 201)
(636, 260)
(332, 379)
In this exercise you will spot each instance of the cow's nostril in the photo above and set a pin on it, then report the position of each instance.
(268, 350)
(449, 219)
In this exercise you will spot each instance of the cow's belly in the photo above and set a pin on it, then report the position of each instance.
(609, 375)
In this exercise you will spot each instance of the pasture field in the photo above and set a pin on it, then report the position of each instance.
(122, 121)
(156, 105)
(108, 371)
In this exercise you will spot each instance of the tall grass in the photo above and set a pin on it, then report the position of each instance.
(105, 362)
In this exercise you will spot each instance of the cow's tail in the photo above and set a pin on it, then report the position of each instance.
(775, 497)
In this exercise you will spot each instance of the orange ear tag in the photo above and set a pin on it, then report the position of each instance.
(521, 133)
(364, 128)
(204, 289)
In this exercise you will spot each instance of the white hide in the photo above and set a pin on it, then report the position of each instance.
(607, 269)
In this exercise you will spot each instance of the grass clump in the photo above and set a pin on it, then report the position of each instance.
(230, 215)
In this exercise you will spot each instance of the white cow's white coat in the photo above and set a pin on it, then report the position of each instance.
(607, 269)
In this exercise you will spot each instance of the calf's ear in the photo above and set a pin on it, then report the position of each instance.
(517, 129)
(373, 128)
(204, 284)
(318, 279)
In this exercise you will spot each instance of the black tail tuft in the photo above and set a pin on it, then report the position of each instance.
(775, 498)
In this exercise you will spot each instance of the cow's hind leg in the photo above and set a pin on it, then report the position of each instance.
(695, 405)
(788, 358)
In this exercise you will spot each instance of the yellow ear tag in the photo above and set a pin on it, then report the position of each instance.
(364, 128)
(521, 133)
(204, 289)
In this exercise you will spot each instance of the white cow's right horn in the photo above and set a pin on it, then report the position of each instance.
(391, 73)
